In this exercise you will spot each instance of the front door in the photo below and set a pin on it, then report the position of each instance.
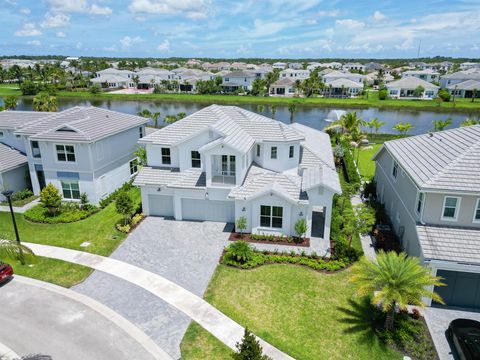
(41, 179)
(318, 223)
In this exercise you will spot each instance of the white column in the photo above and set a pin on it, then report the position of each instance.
(177, 207)
(328, 219)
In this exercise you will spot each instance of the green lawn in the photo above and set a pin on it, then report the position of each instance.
(366, 165)
(309, 315)
(372, 101)
(53, 271)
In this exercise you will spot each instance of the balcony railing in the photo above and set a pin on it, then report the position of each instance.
(224, 177)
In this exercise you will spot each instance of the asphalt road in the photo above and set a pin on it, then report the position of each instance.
(37, 320)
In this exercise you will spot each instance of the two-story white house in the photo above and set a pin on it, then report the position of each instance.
(427, 75)
(79, 150)
(224, 162)
(430, 187)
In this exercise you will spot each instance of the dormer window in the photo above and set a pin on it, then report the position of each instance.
(273, 152)
(166, 158)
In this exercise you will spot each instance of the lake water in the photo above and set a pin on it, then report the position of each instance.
(316, 117)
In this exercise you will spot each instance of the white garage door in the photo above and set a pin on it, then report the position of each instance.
(208, 210)
(160, 205)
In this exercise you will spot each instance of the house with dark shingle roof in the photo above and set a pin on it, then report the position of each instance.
(430, 187)
(223, 162)
(79, 150)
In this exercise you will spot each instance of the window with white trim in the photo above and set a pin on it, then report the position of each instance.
(419, 202)
(291, 151)
(166, 158)
(70, 189)
(35, 149)
(133, 166)
(476, 215)
(273, 152)
(271, 216)
(65, 153)
(450, 208)
(395, 169)
(196, 162)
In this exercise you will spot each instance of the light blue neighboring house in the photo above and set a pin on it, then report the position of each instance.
(79, 150)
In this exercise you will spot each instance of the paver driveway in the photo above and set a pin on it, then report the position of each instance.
(438, 320)
(184, 252)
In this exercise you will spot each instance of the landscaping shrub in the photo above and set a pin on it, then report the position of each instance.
(29, 88)
(136, 219)
(123, 228)
(66, 213)
(240, 251)
(444, 95)
(110, 198)
(124, 206)
(382, 94)
(22, 195)
(51, 198)
(351, 169)
(249, 348)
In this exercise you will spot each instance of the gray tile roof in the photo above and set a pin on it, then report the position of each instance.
(149, 176)
(412, 83)
(444, 160)
(241, 128)
(450, 243)
(81, 124)
(10, 158)
(466, 85)
(260, 180)
(16, 119)
(473, 74)
(346, 83)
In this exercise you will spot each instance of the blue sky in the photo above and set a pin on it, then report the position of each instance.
(248, 28)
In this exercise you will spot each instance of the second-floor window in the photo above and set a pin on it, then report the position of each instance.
(395, 169)
(273, 152)
(36, 149)
(196, 162)
(450, 208)
(258, 150)
(140, 132)
(476, 215)
(166, 158)
(65, 153)
(419, 202)
(291, 151)
(133, 166)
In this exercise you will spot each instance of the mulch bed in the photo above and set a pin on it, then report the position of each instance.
(386, 240)
(234, 236)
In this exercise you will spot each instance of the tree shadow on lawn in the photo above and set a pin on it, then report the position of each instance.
(362, 319)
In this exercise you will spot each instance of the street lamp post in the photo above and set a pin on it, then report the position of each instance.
(8, 195)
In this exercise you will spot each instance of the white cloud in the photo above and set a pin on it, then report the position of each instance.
(28, 29)
(61, 34)
(164, 45)
(329, 13)
(350, 24)
(67, 6)
(378, 16)
(112, 48)
(194, 9)
(53, 21)
(100, 10)
(34, 43)
(25, 11)
(266, 28)
(128, 41)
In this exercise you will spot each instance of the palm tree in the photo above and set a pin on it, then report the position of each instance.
(292, 108)
(469, 122)
(273, 109)
(154, 116)
(474, 94)
(440, 125)
(181, 115)
(375, 124)
(260, 108)
(145, 113)
(403, 128)
(169, 119)
(45, 102)
(394, 280)
(10, 249)
(10, 103)
(349, 123)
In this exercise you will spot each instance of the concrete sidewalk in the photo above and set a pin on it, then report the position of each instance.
(211, 319)
(20, 209)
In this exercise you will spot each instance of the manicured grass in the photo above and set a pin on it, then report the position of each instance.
(366, 165)
(372, 101)
(309, 315)
(53, 271)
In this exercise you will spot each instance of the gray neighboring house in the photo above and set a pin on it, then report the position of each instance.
(430, 187)
(13, 170)
(79, 150)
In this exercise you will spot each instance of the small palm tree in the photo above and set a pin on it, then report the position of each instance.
(273, 109)
(45, 102)
(10, 249)
(469, 122)
(394, 280)
(440, 125)
(375, 124)
(154, 116)
(403, 128)
(292, 108)
(10, 103)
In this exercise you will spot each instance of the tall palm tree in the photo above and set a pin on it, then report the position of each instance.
(394, 280)
(403, 128)
(377, 124)
(440, 125)
(45, 102)
(292, 108)
(348, 122)
(145, 113)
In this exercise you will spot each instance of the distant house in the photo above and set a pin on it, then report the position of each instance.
(79, 150)
(283, 87)
(279, 65)
(430, 188)
(405, 88)
(295, 66)
(332, 65)
(465, 89)
(373, 66)
(353, 66)
(329, 76)
(295, 74)
(469, 65)
(238, 81)
(343, 87)
(112, 81)
(427, 75)
(458, 77)
(116, 72)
